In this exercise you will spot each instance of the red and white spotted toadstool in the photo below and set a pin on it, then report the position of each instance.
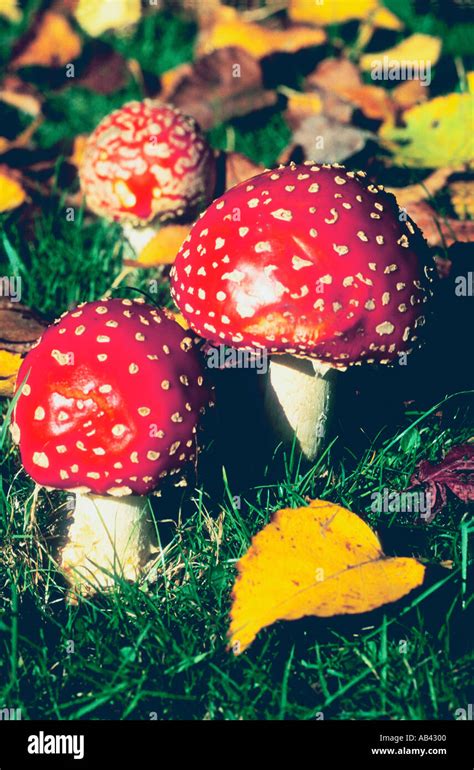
(310, 261)
(109, 403)
(144, 164)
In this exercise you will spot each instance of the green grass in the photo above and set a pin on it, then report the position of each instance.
(158, 649)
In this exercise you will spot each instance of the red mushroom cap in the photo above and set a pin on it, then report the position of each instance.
(146, 160)
(309, 260)
(110, 399)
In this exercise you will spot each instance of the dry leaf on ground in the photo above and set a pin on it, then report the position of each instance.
(425, 189)
(436, 134)
(22, 96)
(9, 10)
(238, 168)
(339, 12)
(220, 86)
(98, 16)
(412, 49)
(229, 29)
(462, 198)
(439, 231)
(12, 192)
(51, 42)
(163, 247)
(321, 560)
(324, 141)
(455, 472)
(19, 330)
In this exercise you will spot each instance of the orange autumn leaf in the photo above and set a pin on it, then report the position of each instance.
(374, 101)
(228, 29)
(54, 44)
(163, 247)
(321, 560)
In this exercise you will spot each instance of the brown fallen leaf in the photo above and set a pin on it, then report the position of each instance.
(409, 93)
(238, 168)
(222, 85)
(12, 192)
(22, 96)
(373, 101)
(227, 28)
(425, 189)
(20, 327)
(341, 77)
(105, 72)
(322, 561)
(335, 75)
(51, 42)
(19, 330)
(439, 231)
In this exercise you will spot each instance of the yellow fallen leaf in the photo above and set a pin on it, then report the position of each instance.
(96, 18)
(340, 11)
(9, 9)
(163, 247)
(78, 148)
(462, 198)
(178, 317)
(438, 133)
(54, 43)
(228, 29)
(9, 365)
(321, 560)
(12, 193)
(302, 103)
(412, 49)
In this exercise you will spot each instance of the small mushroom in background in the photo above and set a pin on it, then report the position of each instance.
(108, 405)
(145, 164)
(313, 265)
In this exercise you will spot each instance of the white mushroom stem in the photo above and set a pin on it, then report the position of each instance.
(298, 401)
(108, 537)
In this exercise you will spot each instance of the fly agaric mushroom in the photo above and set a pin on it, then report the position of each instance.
(109, 403)
(309, 261)
(146, 163)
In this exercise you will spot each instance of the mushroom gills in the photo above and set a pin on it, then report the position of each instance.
(108, 538)
(298, 401)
